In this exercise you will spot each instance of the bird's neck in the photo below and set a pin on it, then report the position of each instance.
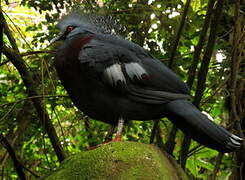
(72, 47)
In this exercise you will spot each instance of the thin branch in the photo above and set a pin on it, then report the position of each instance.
(37, 52)
(9, 35)
(169, 145)
(61, 129)
(30, 171)
(32, 97)
(215, 91)
(200, 44)
(1, 35)
(10, 110)
(217, 165)
(11, 152)
(159, 139)
(5, 62)
(195, 150)
(203, 71)
(88, 130)
(184, 150)
(177, 38)
(235, 59)
(110, 132)
(154, 129)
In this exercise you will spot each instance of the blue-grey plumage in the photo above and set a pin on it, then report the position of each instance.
(110, 78)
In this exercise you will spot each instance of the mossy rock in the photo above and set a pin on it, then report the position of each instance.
(119, 161)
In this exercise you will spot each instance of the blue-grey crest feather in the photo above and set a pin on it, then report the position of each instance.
(91, 22)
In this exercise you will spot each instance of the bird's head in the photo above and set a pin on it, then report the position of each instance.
(77, 23)
(71, 25)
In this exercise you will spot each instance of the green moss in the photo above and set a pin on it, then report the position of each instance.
(118, 161)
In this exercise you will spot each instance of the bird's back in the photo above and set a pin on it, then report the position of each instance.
(162, 78)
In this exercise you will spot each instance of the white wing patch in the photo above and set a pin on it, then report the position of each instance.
(208, 115)
(114, 74)
(135, 70)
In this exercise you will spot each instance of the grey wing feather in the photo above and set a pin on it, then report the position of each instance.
(155, 97)
(119, 64)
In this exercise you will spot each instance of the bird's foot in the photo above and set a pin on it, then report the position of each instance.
(94, 147)
(117, 138)
(98, 145)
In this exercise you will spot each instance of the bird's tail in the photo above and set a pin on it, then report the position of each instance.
(198, 126)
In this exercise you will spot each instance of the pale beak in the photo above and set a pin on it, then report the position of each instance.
(60, 36)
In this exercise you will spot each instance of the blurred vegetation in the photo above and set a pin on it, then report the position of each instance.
(152, 24)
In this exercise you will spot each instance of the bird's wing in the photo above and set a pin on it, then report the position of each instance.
(141, 77)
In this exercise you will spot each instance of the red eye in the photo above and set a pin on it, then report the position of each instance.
(69, 28)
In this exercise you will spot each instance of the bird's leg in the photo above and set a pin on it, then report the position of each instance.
(119, 130)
